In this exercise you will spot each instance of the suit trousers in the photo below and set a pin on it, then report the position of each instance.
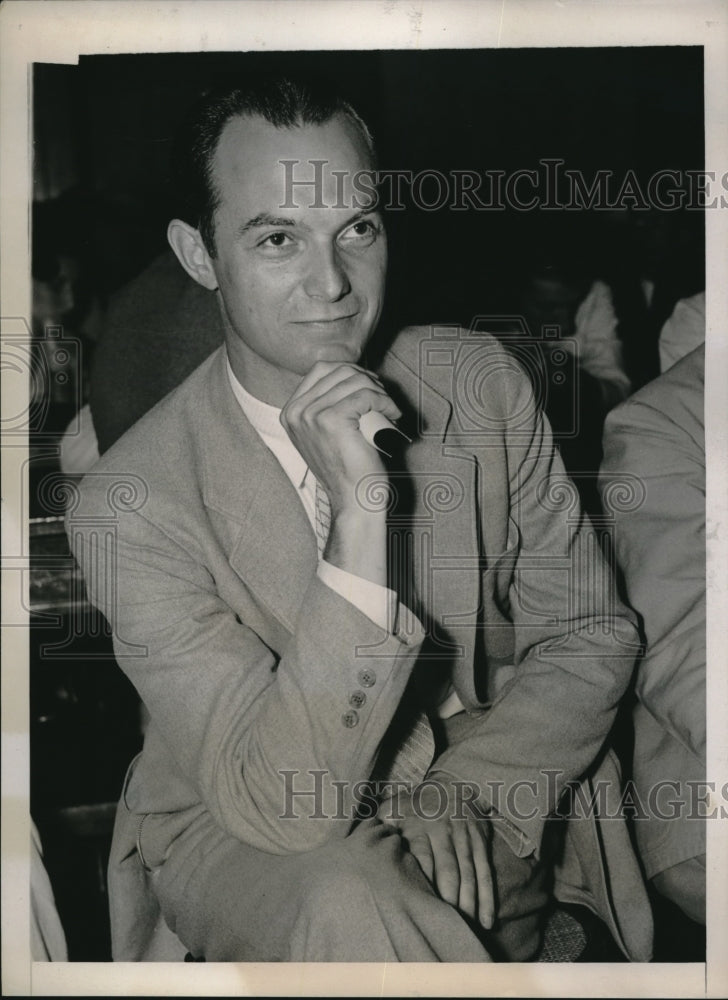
(356, 899)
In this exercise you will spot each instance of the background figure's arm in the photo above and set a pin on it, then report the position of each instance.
(660, 547)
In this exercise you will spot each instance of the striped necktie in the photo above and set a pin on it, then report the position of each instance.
(323, 518)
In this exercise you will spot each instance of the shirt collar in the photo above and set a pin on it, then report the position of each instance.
(266, 422)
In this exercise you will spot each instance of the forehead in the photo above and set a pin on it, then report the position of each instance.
(258, 167)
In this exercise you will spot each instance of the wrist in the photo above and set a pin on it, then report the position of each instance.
(357, 543)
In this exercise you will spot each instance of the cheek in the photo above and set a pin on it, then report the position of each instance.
(370, 279)
(252, 294)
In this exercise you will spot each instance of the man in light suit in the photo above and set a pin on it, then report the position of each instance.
(659, 435)
(456, 604)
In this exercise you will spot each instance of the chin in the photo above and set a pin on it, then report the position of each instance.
(338, 352)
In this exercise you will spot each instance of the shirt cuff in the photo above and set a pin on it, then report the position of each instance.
(518, 841)
(379, 604)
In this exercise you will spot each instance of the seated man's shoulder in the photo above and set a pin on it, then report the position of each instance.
(674, 398)
(410, 342)
(160, 450)
(445, 357)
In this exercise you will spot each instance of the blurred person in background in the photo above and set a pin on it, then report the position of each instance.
(657, 437)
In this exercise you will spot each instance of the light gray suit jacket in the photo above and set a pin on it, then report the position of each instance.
(205, 565)
(658, 437)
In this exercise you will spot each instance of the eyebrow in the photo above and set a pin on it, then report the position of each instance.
(266, 219)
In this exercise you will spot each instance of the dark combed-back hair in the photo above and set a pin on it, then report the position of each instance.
(284, 102)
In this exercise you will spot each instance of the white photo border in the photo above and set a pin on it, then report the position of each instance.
(35, 31)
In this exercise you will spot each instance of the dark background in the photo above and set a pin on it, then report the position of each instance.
(104, 131)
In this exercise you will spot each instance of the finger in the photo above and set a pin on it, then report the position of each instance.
(322, 370)
(483, 872)
(321, 378)
(468, 889)
(357, 382)
(447, 869)
(326, 392)
(351, 406)
(328, 373)
(420, 847)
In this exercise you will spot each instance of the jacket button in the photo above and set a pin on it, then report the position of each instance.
(367, 678)
(357, 699)
(350, 718)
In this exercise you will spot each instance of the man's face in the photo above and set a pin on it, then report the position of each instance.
(298, 284)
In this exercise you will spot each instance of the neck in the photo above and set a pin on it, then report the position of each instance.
(267, 384)
(257, 376)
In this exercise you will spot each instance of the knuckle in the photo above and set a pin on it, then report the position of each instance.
(419, 840)
(325, 416)
(368, 394)
(322, 367)
(291, 411)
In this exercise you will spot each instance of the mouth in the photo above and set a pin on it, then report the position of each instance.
(324, 320)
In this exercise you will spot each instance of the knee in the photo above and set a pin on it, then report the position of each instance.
(338, 919)
(333, 894)
(347, 898)
(353, 870)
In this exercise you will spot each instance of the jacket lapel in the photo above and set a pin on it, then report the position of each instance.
(444, 528)
(269, 539)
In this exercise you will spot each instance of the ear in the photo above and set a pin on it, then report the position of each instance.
(191, 252)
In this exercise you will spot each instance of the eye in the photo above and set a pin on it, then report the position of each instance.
(361, 233)
(276, 240)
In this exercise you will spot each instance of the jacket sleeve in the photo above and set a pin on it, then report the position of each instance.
(574, 642)
(660, 546)
(242, 723)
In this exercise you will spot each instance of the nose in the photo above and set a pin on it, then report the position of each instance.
(326, 277)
